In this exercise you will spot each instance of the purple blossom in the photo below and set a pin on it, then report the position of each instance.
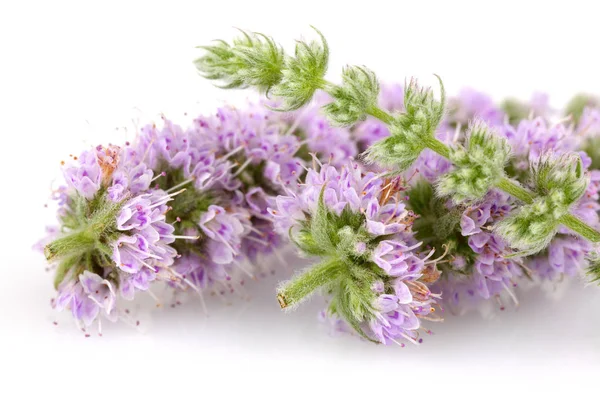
(396, 314)
(470, 104)
(85, 175)
(257, 135)
(532, 138)
(224, 231)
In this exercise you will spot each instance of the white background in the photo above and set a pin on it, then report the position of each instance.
(72, 73)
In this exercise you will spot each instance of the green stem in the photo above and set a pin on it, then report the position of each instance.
(438, 146)
(380, 114)
(577, 225)
(515, 190)
(307, 282)
(75, 243)
(505, 184)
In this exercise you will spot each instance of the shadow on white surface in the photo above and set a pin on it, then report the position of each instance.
(546, 327)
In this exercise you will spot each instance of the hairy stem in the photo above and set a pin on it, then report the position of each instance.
(515, 190)
(380, 114)
(577, 225)
(74, 243)
(505, 184)
(438, 146)
(307, 282)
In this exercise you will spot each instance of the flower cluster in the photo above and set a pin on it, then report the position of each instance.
(186, 206)
(406, 203)
(357, 225)
(113, 239)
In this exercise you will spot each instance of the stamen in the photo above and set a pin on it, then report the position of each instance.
(143, 262)
(149, 147)
(428, 318)
(398, 343)
(531, 114)
(258, 232)
(192, 179)
(296, 122)
(446, 249)
(185, 237)
(457, 132)
(257, 240)
(149, 255)
(409, 338)
(194, 287)
(226, 243)
(158, 302)
(428, 255)
(567, 118)
(511, 294)
(232, 152)
(315, 161)
(500, 303)
(166, 199)
(244, 270)
(242, 168)
(159, 176)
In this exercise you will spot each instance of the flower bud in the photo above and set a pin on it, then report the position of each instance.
(560, 182)
(352, 100)
(479, 165)
(303, 74)
(411, 131)
(254, 60)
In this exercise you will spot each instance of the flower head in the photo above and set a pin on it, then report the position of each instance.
(114, 237)
(357, 225)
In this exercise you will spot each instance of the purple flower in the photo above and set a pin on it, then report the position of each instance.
(84, 176)
(113, 167)
(532, 138)
(254, 135)
(400, 297)
(224, 232)
(99, 290)
(470, 104)
(72, 296)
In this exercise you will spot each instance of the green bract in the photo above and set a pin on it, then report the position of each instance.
(559, 182)
(90, 226)
(479, 165)
(303, 74)
(593, 271)
(344, 271)
(437, 226)
(354, 98)
(254, 60)
(412, 131)
(561, 176)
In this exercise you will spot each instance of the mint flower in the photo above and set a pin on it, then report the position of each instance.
(113, 237)
(356, 225)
